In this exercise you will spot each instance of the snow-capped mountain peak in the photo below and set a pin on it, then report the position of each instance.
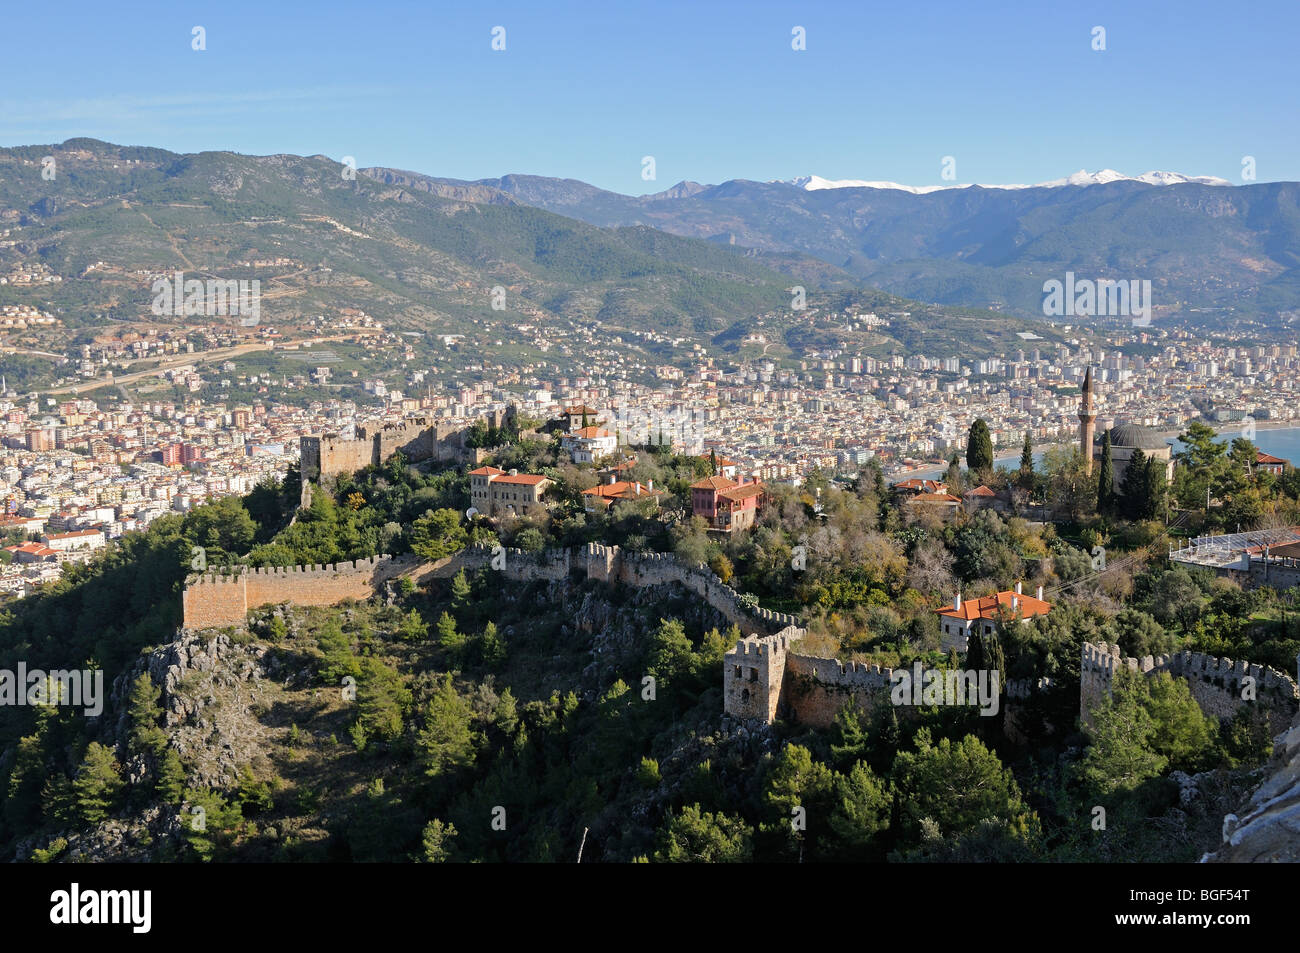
(814, 183)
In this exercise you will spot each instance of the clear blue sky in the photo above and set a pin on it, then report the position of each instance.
(712, 90)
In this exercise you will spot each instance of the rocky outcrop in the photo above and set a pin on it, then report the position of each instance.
(1267, 829)
(209, 686)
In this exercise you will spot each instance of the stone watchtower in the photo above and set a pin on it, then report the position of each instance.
(752, 675)
(1087, 421)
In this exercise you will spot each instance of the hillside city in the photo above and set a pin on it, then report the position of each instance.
(79, 472)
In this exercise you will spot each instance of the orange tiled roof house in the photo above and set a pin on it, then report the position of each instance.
(496, 493)
(960, 620)
(601, 497)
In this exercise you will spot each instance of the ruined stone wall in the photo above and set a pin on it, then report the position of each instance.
(609, 563)
(815, 689)
(215, 599)
(309, 458)
(413, 436)
(419, 438)
(1216, 683)
(332, 456)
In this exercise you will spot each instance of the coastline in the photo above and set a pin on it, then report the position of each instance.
(925, 471)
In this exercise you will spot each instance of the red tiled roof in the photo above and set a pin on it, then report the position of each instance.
(738, 493)
(1262, 457)
(622, 490)
(713, 483)
(486, 471)
(525, 479)
(927, 486)
(980, 491)
(32, 549)
(987, 607)
(591, 433)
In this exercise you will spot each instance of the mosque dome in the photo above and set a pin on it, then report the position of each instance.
(1130, 436)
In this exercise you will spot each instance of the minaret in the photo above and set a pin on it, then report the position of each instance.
(1087, 421)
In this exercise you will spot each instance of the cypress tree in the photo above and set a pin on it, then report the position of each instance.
(1133, 488)
(1026, 479)
(979, 446)
(1155, 487)
(985, 652)
(1105, 479)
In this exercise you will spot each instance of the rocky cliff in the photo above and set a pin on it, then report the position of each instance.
(1267, 829)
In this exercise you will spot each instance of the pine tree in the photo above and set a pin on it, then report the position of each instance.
(1105, 479)
(144, 713)
(494, 646)
(979, 447)
(451, 640)
(171, 777)
(437, 841)
(97, 784)
(460, 591)
(713, 463)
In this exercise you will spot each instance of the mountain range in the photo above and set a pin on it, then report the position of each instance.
(1212, 251)
(813, 183)
(423, 252)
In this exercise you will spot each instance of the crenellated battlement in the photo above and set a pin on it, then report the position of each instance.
(223, 597)
(1219, 685)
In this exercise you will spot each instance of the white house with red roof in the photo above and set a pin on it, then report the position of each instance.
(589, 444)
(914, 486)
(1270, 463)
(77, 539)
(958, 621)
(602, 497)
(33, 553)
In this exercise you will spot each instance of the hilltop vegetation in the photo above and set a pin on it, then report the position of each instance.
(466, 720)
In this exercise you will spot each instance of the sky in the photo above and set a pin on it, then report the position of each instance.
(1013, 92)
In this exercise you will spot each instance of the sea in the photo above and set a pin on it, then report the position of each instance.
(1281, 442)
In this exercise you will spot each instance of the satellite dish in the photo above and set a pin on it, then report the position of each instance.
(471, 513)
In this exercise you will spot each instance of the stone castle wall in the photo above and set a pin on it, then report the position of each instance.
(609, 563)
(215, 599)
(817, 688)
(418, 438)
(1216, 683)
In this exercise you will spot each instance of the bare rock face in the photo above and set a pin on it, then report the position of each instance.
(209, 686)
(1267, 829)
